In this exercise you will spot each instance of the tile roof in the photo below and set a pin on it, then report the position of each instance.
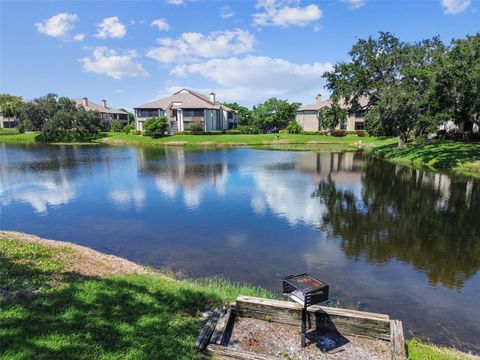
(99, 108)
(184, 99)
(363, 100)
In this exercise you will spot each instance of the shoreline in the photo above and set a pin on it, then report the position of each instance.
(84, 269)
(454, 158)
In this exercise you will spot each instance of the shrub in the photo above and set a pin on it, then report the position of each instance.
(233, 132)
(136, 132)
(128, 128)
(196, 128)
(361, 133)
(156, 127)
(116, 126)
(248, 129)
(182, 132)
(338, 133)
(294, 127)
(283, 131)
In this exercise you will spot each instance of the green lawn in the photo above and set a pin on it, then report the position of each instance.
(461, 158)
(13, 136)
(48, 311)
(250, 140)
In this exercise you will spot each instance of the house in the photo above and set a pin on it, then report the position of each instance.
(307, 115)
(185, 107)
(107, 113)
(8, 121)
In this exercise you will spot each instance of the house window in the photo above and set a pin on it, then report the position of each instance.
(359, 125)
(148, 113)
(193, 115)
(359, 114)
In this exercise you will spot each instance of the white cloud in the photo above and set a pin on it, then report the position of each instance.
(111, 28)
(79, 37)
(284, 13)
(226, 12)
(161, 24)
(108, 62)
(256, 78)
(355, 4)
(453, 7)
(191, 46)
(175, 2)
(124, 197)
(58, 25)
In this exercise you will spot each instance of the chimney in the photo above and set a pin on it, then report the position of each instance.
(212, 97)
(104, 103)
(318, 99)
(85, 101)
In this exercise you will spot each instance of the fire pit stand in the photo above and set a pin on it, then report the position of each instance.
(305, 290)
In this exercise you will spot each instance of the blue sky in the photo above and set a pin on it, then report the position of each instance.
(131, 52)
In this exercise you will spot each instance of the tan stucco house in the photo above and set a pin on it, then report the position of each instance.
(307, 117)
(185, 107)
(107, 113)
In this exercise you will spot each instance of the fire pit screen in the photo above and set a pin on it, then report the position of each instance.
(305, 290)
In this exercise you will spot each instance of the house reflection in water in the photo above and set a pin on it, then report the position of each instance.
(174, 174)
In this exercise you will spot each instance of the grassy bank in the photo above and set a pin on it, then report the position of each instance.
(13, 136)
(462, 158)
(63, 301)
(272, 141)
(245, 140)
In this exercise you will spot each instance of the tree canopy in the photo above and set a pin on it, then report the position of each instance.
(411, 88)
(10, 105)
(273, 114)
(59, 119)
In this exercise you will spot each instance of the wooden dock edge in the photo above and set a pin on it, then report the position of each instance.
(397, 340)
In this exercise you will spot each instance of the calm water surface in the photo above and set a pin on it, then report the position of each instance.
(387, 238)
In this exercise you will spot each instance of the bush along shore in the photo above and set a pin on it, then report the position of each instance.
(59, 300)
(462, 159)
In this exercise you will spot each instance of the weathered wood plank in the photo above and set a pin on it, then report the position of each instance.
(204, 338)
(222, 323)
(222, 352)
(397, 340)
(329, 310)
(344, 321)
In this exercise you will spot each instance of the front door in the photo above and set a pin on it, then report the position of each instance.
(174, 114)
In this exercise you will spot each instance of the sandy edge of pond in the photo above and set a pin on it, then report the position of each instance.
(83, 260)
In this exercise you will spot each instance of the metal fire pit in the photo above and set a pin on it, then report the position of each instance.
(305, 290)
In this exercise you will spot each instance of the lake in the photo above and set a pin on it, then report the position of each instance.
(386, 238)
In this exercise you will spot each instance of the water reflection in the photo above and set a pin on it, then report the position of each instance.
(172, 173)
(422, 218)
(41, 183)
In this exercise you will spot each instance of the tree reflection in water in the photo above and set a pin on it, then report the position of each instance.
(424, 219)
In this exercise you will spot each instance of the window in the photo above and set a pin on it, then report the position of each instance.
(193, 113)
(148, 113)
(359, 125)
(359, 114)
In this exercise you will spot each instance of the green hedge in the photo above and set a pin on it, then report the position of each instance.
(211, 132)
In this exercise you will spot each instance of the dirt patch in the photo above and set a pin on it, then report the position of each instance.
(276, 142)
(283, 341)
(316, 142)
(207, 143)
(232, 144)
(175, 143)
(83, 260)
